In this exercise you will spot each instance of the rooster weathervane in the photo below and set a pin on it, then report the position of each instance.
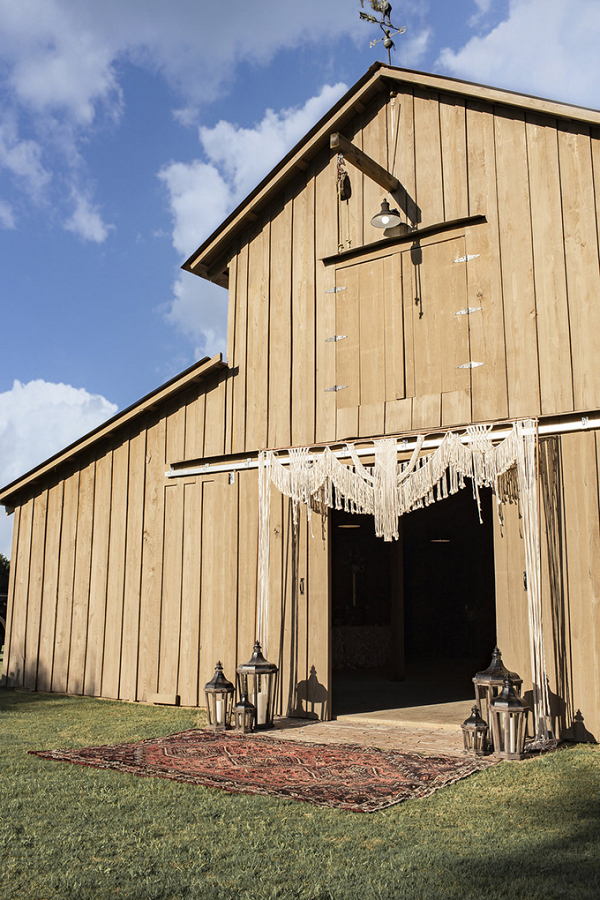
(385, 23)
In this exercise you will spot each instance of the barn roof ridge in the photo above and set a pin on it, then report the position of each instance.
(210, 260)
(158, 397)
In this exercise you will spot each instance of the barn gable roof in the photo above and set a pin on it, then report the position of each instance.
(210, 260)
(157, 398)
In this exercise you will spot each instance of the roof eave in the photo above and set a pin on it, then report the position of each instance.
(210, 260)
(158, 397)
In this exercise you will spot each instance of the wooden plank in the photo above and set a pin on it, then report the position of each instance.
(231, 329)
(375, 144)
(303, 314)
(115, 591)
(280, 327)
(152, 555)
(240, 350)
(35, 590)
(128, 678)
(398, 416)
(556, 381)
(581, 499)
(511, 599)
(371, 303)
(247, 564)
(98, 625)
(288, 611)
(50, 587)
(189, 641)
(219, 578)
(66, 572)
(402, 148)
(325, 244)
(214, 421)
(428, 157)
(176, 427)
(194, 425)
(81, 583)
(441, 338)
(393, 327)
(317, 689)
(371, 419)
(484, 281)
(517, 265)
(409, 311)
(581, 251)
(15, 665)
(10, 597)
(172, 573)
(257, 387)
(427, 411)
(273, 646)
(363, 162)
(456, 407)
(347, 327)
(347, 423)
(454, 156)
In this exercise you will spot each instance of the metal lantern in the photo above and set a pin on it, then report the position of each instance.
(475, 732)
(508, 718)
(244, 715)
(219, 700)
(259, 679)
(489, 682)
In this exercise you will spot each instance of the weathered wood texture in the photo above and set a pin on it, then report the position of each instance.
(570, 512)
(529, 277)
(128, 584)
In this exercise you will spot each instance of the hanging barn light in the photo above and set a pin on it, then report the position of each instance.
(386, 217)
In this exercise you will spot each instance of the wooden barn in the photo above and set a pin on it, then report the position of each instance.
(144, 552)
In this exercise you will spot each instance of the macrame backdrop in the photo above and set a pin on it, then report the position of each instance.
(389, 489)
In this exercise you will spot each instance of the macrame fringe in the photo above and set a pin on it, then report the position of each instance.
(390, 489)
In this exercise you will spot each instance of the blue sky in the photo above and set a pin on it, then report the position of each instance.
(130, 128)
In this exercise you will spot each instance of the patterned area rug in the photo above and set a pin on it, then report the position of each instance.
(340, 776)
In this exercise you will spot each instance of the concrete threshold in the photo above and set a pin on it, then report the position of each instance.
(436, 717)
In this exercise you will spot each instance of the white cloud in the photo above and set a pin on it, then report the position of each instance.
(7, 216)
(86, 221)
(37, 419)
(22, 158)
(544, 47)
(201, 194)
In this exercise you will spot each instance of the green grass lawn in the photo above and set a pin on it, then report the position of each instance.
(519, 830)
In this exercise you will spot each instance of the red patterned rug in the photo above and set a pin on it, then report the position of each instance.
(339, 776)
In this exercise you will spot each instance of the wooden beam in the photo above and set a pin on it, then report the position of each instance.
(367, 166)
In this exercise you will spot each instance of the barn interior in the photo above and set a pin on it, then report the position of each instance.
(413, 620)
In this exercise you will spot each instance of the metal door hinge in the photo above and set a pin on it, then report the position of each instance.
(470, 365)
(335, 290)
(336, 337)
(467, 258)
(337, 387)
(468, 310)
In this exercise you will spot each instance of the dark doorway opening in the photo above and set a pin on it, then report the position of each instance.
(412, 620)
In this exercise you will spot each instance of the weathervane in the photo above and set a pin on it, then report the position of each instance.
(385, 23)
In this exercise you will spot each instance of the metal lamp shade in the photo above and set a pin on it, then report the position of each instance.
(508, 715)
(259, 679)
(219, 700)
(244, 715)
(490, 681)
(475, 732)
(386, 217)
